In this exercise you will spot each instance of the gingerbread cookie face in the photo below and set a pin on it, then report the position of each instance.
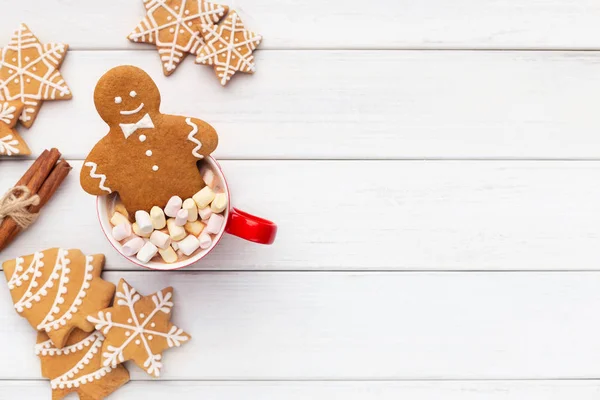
(138, 328)
(56, 289)
(228, 48)
(147, 157)
(77, 367)
(174, 27)
(11, 144)
(29, 73)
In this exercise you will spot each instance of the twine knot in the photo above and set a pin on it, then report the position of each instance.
(15, 204)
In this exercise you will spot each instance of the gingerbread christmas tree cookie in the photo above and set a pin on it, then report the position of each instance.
(228, 48)
(138, 328)
(29, 73)
(77, 367)
(174, 27)
(56, 289)
(147, 157)
(11, 144)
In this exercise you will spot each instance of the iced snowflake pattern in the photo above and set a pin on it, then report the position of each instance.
(174, 27)
(29, 73)
(10, 141)
(134, 321)
(229, 48)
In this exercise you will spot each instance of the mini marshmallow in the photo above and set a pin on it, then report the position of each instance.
(189, 245)
(137, 231)
(209, 178)
(192, 209)
(194, 228)
(120, 208)
(158, 218)
(160, 239)
(133, 246)
(142, 218)
(205, 213)
(173, 205)
(147, 252)
(118, 219)
(175, 245)
(168, 255)
(204, 197)
(182, 217)
(219, 204)
(175, 231)
(205, 241)
(215, 223)
(121, 231)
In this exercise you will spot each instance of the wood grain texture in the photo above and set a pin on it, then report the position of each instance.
(364, 390)
(399, 215)
(497, 24)
(338, 105)
(363, 326)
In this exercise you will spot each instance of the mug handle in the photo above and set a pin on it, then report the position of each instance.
(250, 227)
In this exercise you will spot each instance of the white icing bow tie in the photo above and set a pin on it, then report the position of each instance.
(129, 129)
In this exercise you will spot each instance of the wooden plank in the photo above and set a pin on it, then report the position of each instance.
(340, 24)
(338, 105)
(437, 215)
(366, 326)
(462, 390)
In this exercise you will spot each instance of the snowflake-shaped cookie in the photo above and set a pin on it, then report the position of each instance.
(174, 27)
(138, 328)
(11, 144)
(228, 48)
(77, 367)
(29, 73)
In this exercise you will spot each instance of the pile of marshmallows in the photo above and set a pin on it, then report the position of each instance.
(189, 227)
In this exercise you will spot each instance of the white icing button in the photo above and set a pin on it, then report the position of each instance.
(142, 138)
(133, 93)
(149, 153)
(118, 100)
(155, 168)
(142, 315)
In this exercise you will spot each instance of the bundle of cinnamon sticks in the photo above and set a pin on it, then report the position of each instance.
(43, 179)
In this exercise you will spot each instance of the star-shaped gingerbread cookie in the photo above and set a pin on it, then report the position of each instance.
(56, 289)
(29, 73)
(138, 328)
(77, 367)
(11, 144)
(174, 27)
(228, 48)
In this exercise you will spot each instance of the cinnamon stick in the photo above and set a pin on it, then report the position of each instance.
(35, 178)
(56, 177)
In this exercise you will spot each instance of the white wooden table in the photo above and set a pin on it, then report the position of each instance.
(434, 167)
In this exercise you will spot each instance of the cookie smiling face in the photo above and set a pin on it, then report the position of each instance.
(124, 95)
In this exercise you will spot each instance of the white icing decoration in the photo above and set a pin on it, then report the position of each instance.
(170, 51)
(118, 100)
(7, 112)
(131, 112)
(8, 145)
(133, 93)
(143, 123)
(50, 84)
(128, 297)
(94, 175)
(155, 168)
(192, 139)
(232, 59)
(72, 309)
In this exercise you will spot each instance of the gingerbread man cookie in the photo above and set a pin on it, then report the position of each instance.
(11, 144)
(147, 157)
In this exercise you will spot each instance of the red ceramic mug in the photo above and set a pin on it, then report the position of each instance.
(239, 223)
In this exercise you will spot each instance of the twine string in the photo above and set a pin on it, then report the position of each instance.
(15, 204)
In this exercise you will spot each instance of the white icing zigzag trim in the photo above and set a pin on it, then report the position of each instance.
(192, 139)
(94, 175)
